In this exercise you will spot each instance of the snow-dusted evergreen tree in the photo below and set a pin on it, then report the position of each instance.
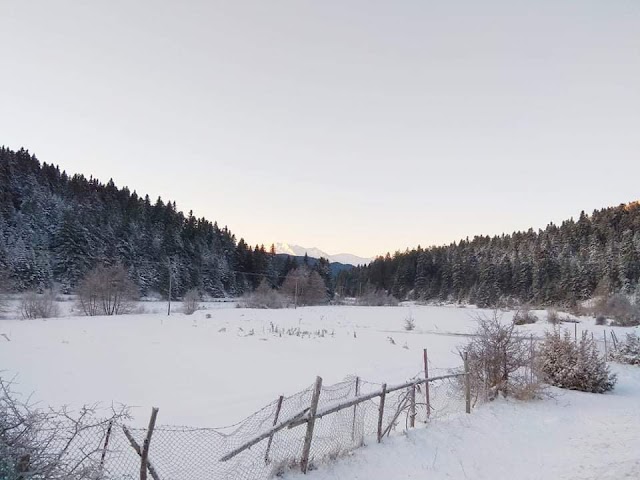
(628, 351)
(566, 363)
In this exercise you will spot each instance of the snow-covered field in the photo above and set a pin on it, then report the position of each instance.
(215, 371)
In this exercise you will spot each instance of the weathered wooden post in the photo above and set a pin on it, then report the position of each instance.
(353, 427)
(147, 442)
(306, 448)
(606, 353)
(383, 395)
(275, 422)
(467, 383)
(412, 406)
(106, 445)
(426, 383)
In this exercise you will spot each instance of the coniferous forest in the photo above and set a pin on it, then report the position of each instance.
(561, 264)
(54, 228)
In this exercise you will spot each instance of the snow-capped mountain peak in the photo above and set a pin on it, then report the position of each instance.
(298, 251)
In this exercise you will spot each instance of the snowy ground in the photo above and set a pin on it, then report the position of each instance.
(215, 371)
(572, 436)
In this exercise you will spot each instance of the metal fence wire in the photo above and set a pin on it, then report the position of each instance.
(181, 453)
(269, 442)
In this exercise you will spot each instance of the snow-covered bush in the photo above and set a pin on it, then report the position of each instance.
(34, 305)
(553, 317)
(628, 351)
(264, 297)
(566, 363)
(524, 316)
(191, 301)
(500, 361)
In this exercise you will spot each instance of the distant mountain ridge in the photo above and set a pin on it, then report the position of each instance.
(344, 258)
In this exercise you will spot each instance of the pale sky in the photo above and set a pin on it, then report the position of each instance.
(352, 126)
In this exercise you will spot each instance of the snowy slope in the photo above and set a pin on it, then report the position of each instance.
(298, 251)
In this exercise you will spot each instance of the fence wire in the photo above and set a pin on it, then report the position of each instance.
(181, 453)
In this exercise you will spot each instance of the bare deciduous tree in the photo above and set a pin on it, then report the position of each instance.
(107, 291)
(305, 287)
(191, 301)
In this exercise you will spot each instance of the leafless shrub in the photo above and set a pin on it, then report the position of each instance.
(50, 444)
(566, 363)
(409, 323)
(107, 291)
(377, 298)
(264, 297)
(553, 317)
(35, 305)
(627, 351)
(191, 301)
(601, 320)
(619, 308)
(501, 362)
(524, 316)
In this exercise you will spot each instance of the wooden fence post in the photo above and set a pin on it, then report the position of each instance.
(275, 422)
(306, 449)
(426, 383)
(412, 407)
(381, 411)
(137, 449)
(106, 445)
(575, 331)
(467, 383)
(147, 442)
(606, 354)
(353, 427)
(532, 354)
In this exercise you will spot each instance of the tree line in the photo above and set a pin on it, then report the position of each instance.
(55, 228)
(561, 264)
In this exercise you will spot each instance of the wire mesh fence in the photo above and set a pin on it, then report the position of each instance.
(272, 440)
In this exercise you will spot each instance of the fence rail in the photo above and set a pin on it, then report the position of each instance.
(299, 431)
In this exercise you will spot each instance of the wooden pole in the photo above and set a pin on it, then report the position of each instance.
(144, 456)
(383, 395)
(412, 406)
(137, 449)
(606, 353)
(531, 359)
(275, 422)
(106, 445)
(170, 275)
(306, 448)
(426, 384)
(575, 331)
(353, 427)
(467, 383)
